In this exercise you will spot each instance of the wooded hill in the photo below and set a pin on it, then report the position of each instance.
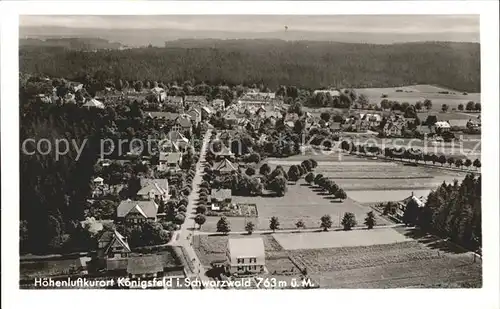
(305, 64)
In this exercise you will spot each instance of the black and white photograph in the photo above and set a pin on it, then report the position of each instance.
(247, 151)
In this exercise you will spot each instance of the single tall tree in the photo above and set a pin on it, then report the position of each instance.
(274, 224)
(249, 227)
(300, 224)
(326, 222)
(200, 220)
(348, 221)
(223, 226)
(370, 220)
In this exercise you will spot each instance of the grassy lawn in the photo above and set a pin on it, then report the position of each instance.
(412, 94)
(300, 202)
(337, 239)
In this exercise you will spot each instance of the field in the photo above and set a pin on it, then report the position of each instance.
(300, 202)
(393, 259)
(412, 94)
(366, 180)
(339, 239)
(418, 262)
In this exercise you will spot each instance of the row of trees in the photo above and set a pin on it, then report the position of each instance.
(348, 222)
(411, 155)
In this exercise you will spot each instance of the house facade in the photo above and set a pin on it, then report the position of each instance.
(112, 251)
(154, 189)
(220, 199)
(170, 161)
(245, 256)
(136, 212)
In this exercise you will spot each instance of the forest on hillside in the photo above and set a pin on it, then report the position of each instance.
(271, 62)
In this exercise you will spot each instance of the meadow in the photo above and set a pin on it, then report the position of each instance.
(301, 202)
(379, 258)
(414, 93)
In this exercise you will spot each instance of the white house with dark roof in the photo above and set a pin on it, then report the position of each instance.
(93, 103)
(170, 161)
(137, 211)
(246, 255)
(220, 198)
(153, 189)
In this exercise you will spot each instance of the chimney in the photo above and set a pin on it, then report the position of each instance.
(412, 193)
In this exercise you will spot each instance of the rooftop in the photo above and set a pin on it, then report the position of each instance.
(148, 209)
(246, 247)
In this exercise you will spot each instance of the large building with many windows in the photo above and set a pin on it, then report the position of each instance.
(246, 255)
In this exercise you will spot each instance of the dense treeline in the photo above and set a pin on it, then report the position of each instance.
(54, 190)
(453, 210)
(273, 63)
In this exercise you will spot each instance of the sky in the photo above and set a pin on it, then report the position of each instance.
(397, 24)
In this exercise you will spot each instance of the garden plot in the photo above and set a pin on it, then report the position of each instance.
(334, 239)
(301, 202)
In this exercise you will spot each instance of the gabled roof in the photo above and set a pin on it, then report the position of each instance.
(208, 109)
(98, 179)
(221, 194)
(148, 209)
(225, 151)
(184, 122)
(159, 186)
(109, 237)
(177, 137)
(195, 99)
(246, 247)
(170, 157)
(420, 201)
(163, 115)
(173, 99)
(157, 90)
(225, 166)
(93, 103)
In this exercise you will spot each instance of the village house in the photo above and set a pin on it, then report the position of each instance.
(245, 256)
(333, 93)
(218, 104)
(175, 100)
(206, 112)
(134, 212)
(162, 117)
(224, 167)
(220, 199)
(159, 93)
(98, 181)
(166, 145)
(224, 153)
(258, 99)
(183, 124)
(442, 126)
(372, 119)
(112, 251)
(404, 203)
(198, 100)
(93, 103)
(178, 139)
(195, 115)
(154, 189)
(231, 118)
(170, 161)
